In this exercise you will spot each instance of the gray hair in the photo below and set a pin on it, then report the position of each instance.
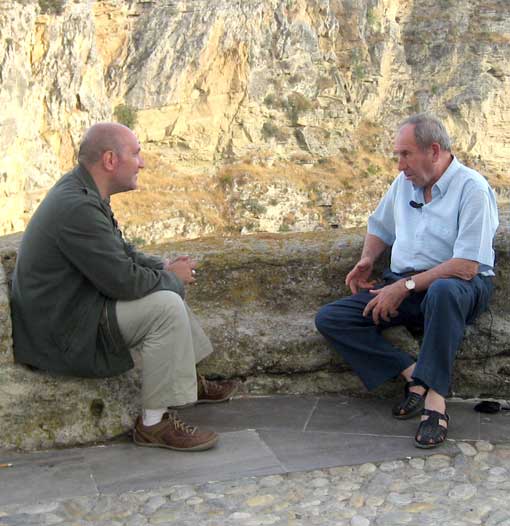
(98, 139)
(428, 129)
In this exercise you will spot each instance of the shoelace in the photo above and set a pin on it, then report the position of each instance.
(209, 387)
(180, 425)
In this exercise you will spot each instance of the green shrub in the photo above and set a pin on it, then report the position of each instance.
(253, 206)
(52, 7)
(271, 100)
(358, 68)
(138, 241)
(358, 71)
(226, 181)
(126, 115)
(269, 129)
(373, 170)
(297, 104)
(371, 16)
(325, 83)
(294, 79)
(373, 19)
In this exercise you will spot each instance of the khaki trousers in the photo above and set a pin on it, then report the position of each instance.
(171, 342)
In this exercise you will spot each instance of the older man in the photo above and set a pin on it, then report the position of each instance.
(82, 297)
(439, 218)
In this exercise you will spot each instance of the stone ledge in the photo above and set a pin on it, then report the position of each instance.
(257, 297)
(5, 319)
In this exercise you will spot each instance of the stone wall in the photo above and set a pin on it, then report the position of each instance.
(256, 296)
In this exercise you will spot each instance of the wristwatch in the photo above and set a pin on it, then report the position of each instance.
(410, 285)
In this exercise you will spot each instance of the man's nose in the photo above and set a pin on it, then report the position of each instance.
(402, 165)
(141, 162)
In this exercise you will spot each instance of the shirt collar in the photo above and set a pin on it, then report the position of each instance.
(444, 181)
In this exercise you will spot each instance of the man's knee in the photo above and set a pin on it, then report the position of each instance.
(331, 317)
(446, 299)
(167, 304)
(441, 290)
(321, 318)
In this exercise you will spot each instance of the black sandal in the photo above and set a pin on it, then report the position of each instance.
(412, 404)
(430, 433)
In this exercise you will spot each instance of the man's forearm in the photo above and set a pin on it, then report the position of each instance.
(140, 258)
(452, 268)
(373, 247)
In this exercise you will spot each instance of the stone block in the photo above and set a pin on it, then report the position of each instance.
(256, 297)
(5, 321)
(40, 410)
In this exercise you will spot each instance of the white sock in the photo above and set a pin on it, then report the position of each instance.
(153, 416)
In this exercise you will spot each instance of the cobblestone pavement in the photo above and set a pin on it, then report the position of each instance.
(283, 460)
(469, 487)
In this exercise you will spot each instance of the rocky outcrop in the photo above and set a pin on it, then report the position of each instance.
(51, 88)
(268, 115)
(257, 297)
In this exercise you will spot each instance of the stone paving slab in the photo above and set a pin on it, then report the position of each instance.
(341, 414)
(463, 489)
(315, 450)
(373, 417)
(128, 467)
(264, 412)
(47, 477)
(121, 467)
(495, 428)
(259, 437)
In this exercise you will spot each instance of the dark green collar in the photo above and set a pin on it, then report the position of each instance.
(89, 185)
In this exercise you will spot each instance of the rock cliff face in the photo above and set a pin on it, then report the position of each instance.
(255, 114)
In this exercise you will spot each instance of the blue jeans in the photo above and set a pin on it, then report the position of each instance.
(443, 311)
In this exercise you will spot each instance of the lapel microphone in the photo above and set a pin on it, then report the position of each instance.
(414, 204)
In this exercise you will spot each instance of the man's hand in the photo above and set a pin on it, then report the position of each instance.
(183, 267)
(358, 276)
(386, 301)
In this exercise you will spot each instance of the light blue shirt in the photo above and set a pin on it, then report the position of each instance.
(459, 222)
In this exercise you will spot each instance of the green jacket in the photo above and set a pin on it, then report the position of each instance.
(72, 266)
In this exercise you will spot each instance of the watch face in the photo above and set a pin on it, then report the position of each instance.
(410, 284)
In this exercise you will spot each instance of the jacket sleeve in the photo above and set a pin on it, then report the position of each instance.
(140, 258)
(89, 239)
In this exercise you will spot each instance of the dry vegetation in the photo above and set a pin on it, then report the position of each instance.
(210, 195)
(234, 197)
(165, 191)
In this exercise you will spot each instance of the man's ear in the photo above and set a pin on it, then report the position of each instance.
(436, 150)
(109, 160)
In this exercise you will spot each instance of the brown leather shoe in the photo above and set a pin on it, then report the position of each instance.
(210, 392)
(173, 433)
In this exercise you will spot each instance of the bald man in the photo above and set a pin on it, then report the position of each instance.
(83, 298)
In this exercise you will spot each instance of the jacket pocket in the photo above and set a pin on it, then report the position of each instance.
(70, 330)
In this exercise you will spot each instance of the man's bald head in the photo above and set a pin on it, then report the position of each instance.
(100, 138)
